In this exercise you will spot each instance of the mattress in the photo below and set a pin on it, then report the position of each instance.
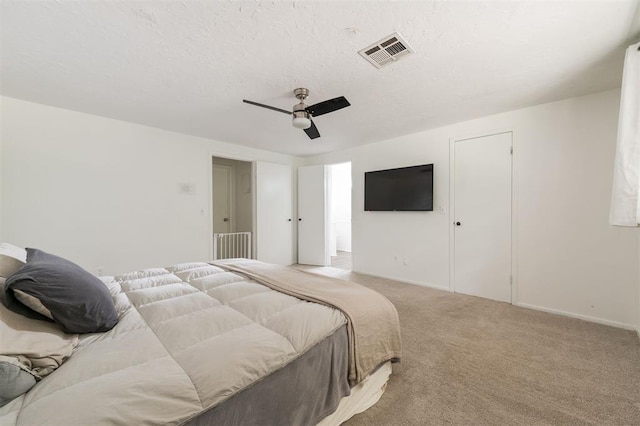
(196, 344)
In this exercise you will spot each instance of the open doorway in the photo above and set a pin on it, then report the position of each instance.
(232, 208)
(339, 216)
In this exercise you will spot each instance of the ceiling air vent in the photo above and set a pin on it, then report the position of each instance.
(387, 50)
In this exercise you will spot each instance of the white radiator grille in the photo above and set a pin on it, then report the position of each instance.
(233, 245)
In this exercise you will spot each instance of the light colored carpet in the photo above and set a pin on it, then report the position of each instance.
(472, 361)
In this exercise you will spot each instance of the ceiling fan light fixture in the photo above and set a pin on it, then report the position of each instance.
(301, 120)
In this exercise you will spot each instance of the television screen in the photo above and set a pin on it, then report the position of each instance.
(403, 189)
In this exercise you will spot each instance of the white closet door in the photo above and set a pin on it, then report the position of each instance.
(312, 216)
(274, 223)
(482, 217)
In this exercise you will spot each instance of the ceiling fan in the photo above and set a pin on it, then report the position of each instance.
(302, 113)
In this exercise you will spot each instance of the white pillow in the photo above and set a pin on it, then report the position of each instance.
(12, 258)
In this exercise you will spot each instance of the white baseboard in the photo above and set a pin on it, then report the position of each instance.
(582, 317)
(400, 280)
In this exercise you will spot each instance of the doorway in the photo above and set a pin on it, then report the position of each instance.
(232, 208)
(324, 215)
(482, 216)
(340, 215)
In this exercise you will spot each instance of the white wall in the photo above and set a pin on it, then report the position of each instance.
(568, 259)
(105, 193)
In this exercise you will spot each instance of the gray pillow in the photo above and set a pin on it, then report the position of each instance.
(14, 381)
(76, 299)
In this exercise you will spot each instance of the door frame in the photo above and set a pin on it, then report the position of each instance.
(514, 207)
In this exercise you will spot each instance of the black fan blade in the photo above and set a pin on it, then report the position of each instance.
(267, 106)
(312, 131)
(328, 106)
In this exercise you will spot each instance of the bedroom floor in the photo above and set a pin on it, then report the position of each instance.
(468, 360)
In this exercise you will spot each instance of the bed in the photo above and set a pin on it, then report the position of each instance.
(234, 342)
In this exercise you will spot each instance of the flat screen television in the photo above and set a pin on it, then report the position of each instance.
(403, 189)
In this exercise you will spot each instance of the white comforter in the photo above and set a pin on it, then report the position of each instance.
(189, 337)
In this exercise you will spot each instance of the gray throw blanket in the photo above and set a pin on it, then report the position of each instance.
(373, 325)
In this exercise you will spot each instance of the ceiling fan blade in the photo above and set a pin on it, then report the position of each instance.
(328, 106)
(267, 106)
(312, 131)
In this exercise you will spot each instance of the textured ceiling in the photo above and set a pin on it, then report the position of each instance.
(186, 65)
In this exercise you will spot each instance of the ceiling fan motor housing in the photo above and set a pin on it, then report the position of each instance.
(301, 93)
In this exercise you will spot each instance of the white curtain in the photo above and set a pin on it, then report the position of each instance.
(625, 207)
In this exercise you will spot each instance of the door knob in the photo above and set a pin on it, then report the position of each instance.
(226, 219)
(458, 223)
(299, 219)
(289, 219)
